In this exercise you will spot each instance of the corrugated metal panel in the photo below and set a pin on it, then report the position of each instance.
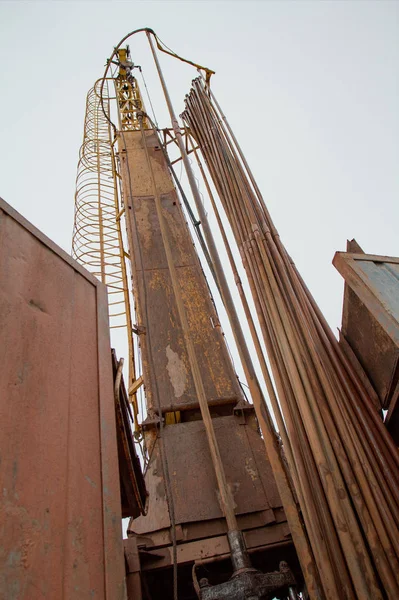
(60, 525)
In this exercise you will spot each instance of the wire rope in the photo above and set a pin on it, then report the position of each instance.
(149, 98)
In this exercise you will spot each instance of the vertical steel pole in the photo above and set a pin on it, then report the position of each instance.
(280, 475)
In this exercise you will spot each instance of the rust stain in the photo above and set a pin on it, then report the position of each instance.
(251, 469)
(143, 213)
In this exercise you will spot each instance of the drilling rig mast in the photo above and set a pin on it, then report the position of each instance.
(207, 472)
(236, 508)
(228, 496)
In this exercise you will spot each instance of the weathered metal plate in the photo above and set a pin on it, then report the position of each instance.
(60, 519)
(188, 452)
(165, 360)
(371, 315)
(193, 480)
(370, 321)
(371, 344)
(217, 547)
(132, 484)
(133, 568)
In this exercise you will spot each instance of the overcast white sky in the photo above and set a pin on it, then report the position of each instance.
(310, 89)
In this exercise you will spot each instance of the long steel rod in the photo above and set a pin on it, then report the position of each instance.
(252, 380)
(214, 254)
(225, 179)
(324, 563)
(328, 406)
(299, 535)
(307, 504)
(225, 493)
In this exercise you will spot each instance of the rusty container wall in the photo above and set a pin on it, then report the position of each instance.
(60, 515)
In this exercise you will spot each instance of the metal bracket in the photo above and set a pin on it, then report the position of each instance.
(135, 385)
(138, 329)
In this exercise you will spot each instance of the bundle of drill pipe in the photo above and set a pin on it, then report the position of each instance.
(342, 461)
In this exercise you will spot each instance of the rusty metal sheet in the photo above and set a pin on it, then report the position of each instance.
(193, 480)
(165, 360)
(195, 497)
(60, 519)
(217, 547)
(372, 346)
(370, 322)
(374, 279)
(133, 569)
(132, 484)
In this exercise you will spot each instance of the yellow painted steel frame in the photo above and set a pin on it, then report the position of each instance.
(97, 237)
(128, 94)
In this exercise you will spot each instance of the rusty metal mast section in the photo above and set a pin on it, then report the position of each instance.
(326, 491)
(189, 381)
